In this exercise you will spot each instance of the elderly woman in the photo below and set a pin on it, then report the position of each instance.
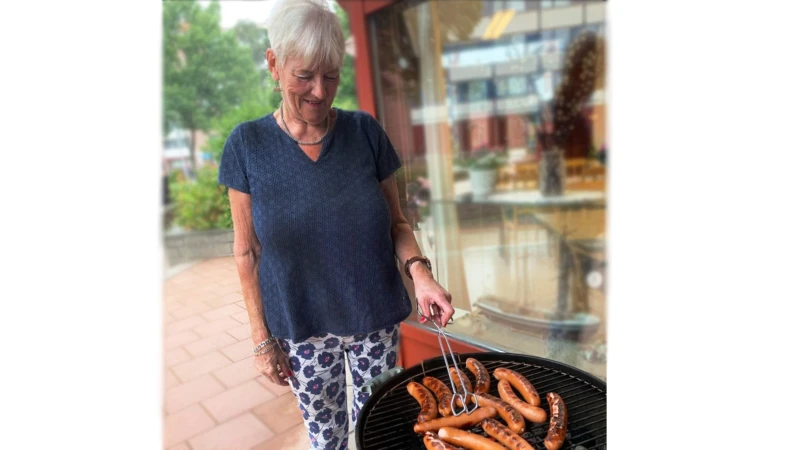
(317, 230)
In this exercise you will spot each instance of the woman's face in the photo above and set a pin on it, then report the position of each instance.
(307, 95)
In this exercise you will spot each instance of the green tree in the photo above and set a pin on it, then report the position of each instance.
(346, 95)
(202, 203)
(206, 70)
(253, 108)
(254, 37)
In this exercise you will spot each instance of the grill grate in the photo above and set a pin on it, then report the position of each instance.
(386, 422)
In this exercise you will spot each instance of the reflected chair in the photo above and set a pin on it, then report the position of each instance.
(593, 185)
(505, 178)
(575, 168)
(594, 171)
(592, 177)
(525, 175)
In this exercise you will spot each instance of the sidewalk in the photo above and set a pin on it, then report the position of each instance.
(214, 398)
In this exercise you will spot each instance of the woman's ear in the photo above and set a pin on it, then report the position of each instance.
(272, 64)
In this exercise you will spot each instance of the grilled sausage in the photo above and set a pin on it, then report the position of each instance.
(510, 415)
(530, 412)
(442, 393)
(454, 373)
(558, 422)
(426, 401)
(482, 379)
(460, 421)
(432, 442)
(520, 383)
(468, 440)
(505, 435)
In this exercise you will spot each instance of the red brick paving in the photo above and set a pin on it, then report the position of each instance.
(238, 400)
(213, 397)
(244, 431)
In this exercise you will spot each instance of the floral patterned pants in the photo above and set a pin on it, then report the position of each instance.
(319, 379)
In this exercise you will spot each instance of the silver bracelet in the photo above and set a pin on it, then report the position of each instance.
(266, 350)
(265, 342)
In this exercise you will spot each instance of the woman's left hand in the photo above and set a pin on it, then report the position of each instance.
(432, 300)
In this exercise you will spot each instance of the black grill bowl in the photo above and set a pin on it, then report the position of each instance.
(386, 421)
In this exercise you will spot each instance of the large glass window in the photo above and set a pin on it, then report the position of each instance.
(476, 91)
(502, 138)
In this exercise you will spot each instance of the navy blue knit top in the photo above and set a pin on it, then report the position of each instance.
(327, 262)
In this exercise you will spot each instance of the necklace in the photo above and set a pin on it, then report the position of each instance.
(286, 128)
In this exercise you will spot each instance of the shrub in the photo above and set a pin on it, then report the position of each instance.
(202, 203)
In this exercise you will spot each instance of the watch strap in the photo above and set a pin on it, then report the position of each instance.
(414, 259)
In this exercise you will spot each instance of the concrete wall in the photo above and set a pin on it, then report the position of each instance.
(186, 246)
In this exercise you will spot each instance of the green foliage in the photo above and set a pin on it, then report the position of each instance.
(253, 108)
(206, 70)
(346, 95)
(213, 81)
(482, 159)
(255, 38)
(202, 203)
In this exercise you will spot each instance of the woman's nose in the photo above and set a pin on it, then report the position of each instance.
(318, 91)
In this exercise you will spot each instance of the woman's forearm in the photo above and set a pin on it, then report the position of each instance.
(247, 266)
(406, 246)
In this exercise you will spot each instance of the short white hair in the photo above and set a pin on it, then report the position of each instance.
(306, 29)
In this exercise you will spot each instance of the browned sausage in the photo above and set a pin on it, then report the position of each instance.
(482, 379)
(426, 401)
(468, 440)
(442, 393)
(510, 415)
(505, 435)
(432, 442)
(460, 421)
(520, 383)
(558, 422)
(454, 373)
(456, 381)
(530, 412)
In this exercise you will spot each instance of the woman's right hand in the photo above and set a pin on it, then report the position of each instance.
(274, 365)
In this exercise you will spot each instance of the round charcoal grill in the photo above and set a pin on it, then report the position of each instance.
(387, 419)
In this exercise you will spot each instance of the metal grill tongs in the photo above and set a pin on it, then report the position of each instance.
(456, 393)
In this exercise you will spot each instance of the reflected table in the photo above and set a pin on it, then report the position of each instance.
(534, 200)
(537, 206)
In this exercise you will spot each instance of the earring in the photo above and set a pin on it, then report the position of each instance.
(277, 87)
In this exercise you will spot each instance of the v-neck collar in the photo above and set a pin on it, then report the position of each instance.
(326, 141)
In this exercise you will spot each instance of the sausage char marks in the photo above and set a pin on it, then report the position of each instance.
(460, 421)
(433, 442)
(557, 432)
(528, 411)
(426, 400)
(454, 374)
(468, 440)
(520, 383)
(482, 379)
(504, 435)
(442, 393)
(511, 416)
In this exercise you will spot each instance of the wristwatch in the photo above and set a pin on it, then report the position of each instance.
(414, 259)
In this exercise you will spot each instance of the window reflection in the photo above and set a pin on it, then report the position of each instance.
(497, 110)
